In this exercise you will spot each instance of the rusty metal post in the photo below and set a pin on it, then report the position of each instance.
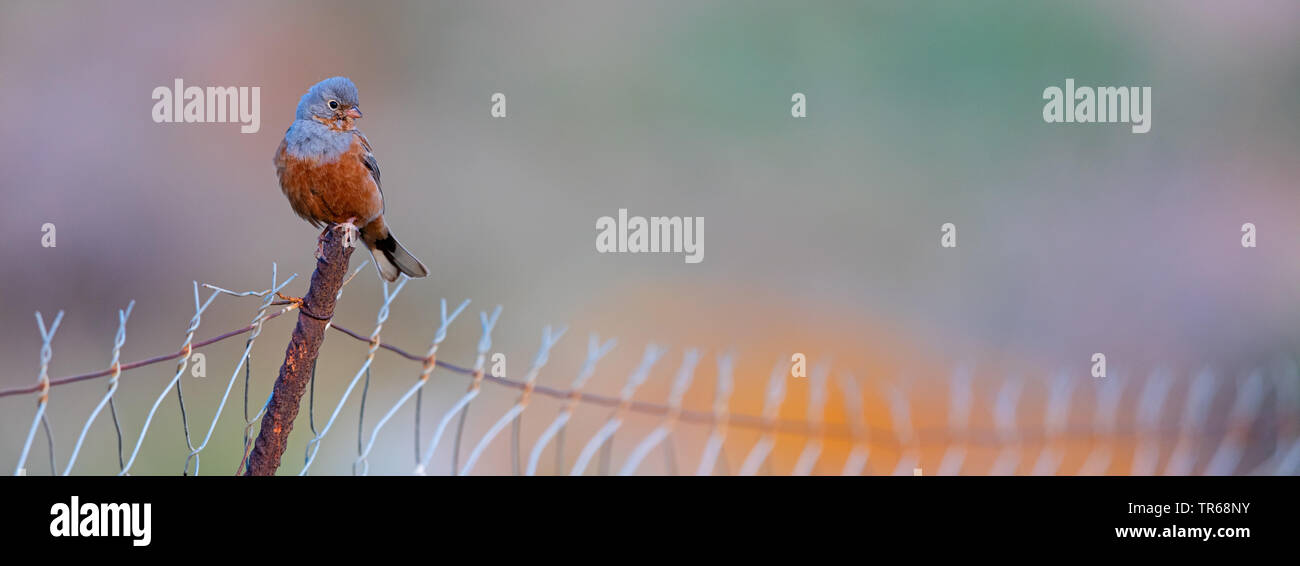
(313, 318)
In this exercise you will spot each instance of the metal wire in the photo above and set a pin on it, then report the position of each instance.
(960, 398)
(182, 361)
(512, 414)
(718, 429)
(661, 432)
(816, 413)
(267, 297)
(771, 408)
(857, 415)
(1004, 415)
(595, 351)
(49, 441)
(485, 342)
(427, 370)
(313, 445)
(1259, 401)
(47, 336)
(116, 365)
(604, 434)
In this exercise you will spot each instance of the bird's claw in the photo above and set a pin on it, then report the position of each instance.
(350, 236)
(350, 233)
(320, 245)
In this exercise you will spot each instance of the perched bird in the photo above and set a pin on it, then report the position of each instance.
(330, 176)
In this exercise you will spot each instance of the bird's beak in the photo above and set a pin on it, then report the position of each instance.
(353, 112)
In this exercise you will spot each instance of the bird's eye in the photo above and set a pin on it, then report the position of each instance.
(334, 105)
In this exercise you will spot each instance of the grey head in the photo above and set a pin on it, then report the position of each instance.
(332, 99)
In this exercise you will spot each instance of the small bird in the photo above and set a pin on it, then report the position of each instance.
(330, 176)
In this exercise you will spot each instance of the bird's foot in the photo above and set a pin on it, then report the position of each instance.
(320, 244)
(351, 234)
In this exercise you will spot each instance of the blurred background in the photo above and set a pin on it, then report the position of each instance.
(821, 233)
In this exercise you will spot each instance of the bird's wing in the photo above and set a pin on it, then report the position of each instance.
(368, 159)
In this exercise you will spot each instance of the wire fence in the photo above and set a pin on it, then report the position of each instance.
(1214, 425)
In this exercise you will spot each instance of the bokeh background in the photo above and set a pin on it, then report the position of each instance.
(821, 234)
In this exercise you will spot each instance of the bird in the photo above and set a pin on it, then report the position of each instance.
(327, 171)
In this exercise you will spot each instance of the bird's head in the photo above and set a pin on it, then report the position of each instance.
(332, 102)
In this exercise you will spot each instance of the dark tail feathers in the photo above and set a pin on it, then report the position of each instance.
(391, 259)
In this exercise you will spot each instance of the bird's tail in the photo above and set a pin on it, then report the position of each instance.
(391, 259)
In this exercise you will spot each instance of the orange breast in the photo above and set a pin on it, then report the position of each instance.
(330, 192)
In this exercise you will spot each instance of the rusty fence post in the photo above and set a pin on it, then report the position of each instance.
(313, 318)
